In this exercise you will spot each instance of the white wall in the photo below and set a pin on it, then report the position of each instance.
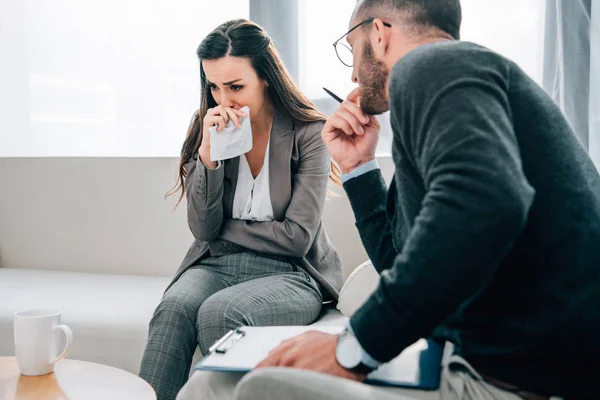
(109, 215)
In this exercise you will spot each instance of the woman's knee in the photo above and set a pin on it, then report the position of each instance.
(215, 318)
(174, 307)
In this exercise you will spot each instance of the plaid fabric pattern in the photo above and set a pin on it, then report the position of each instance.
(215, 296)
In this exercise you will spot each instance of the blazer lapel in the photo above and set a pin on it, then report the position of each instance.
(231, 174)
(280, 154)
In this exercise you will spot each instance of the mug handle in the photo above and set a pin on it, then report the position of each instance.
(69, 335)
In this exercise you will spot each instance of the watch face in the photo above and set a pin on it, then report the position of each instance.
(348, 352)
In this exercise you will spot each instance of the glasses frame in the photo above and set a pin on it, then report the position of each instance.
(337, 42)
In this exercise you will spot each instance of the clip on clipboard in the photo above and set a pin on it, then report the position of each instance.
(227, 341)
(240, 350)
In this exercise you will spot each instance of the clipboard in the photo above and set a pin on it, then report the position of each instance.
(240, 350)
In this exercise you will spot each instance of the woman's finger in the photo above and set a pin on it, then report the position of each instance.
(234, 117)
(240, 113)
(216, 120)
(222, 112)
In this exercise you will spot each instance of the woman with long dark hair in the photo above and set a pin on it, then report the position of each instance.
(260, 255)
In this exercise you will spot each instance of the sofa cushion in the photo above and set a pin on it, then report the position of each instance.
(109, 314)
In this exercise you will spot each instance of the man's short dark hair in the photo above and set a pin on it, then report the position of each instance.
(444, 15)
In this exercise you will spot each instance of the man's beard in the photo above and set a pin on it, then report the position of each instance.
(373, 76)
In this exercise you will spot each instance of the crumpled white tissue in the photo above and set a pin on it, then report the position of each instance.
(231, 142)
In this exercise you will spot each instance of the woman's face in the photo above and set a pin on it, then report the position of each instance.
(233, 82)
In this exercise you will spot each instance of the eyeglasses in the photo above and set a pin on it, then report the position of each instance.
(343, 51)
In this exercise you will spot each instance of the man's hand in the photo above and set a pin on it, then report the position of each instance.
(313, 351)
(351, 135)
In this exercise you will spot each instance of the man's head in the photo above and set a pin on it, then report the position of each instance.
(396, 27)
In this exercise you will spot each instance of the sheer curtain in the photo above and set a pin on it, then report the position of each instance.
(595, 84)
(572, 66)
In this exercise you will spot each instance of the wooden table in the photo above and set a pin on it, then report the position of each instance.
(72, 380)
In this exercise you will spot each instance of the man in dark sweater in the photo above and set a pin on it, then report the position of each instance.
(489, 235)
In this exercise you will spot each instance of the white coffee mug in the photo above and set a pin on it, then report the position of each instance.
(36, 342)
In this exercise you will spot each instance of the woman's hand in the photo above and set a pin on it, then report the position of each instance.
(217, 116)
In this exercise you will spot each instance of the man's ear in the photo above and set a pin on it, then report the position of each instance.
(379, 38)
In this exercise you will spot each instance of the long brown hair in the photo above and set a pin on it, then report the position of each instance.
(243, 38)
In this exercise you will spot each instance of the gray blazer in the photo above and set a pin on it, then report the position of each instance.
(299, 168)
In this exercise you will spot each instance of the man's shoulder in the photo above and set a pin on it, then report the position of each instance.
(430, 65)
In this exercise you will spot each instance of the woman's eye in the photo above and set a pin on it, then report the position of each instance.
(236, 88)
(213, 87)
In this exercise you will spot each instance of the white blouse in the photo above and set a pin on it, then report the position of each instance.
(252, 200)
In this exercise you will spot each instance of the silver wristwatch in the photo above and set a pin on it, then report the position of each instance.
(349, 353)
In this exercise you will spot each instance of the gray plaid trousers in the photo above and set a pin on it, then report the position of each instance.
(215, 296)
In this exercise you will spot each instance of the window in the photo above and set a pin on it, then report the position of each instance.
(513, 28)
(101, 78)
(120, 77)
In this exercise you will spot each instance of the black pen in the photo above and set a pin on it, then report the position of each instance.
(336, 97)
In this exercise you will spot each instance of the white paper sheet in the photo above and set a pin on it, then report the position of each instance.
(404, 370)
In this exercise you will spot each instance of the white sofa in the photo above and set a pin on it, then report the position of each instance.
(95, 239)
(109, 314)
